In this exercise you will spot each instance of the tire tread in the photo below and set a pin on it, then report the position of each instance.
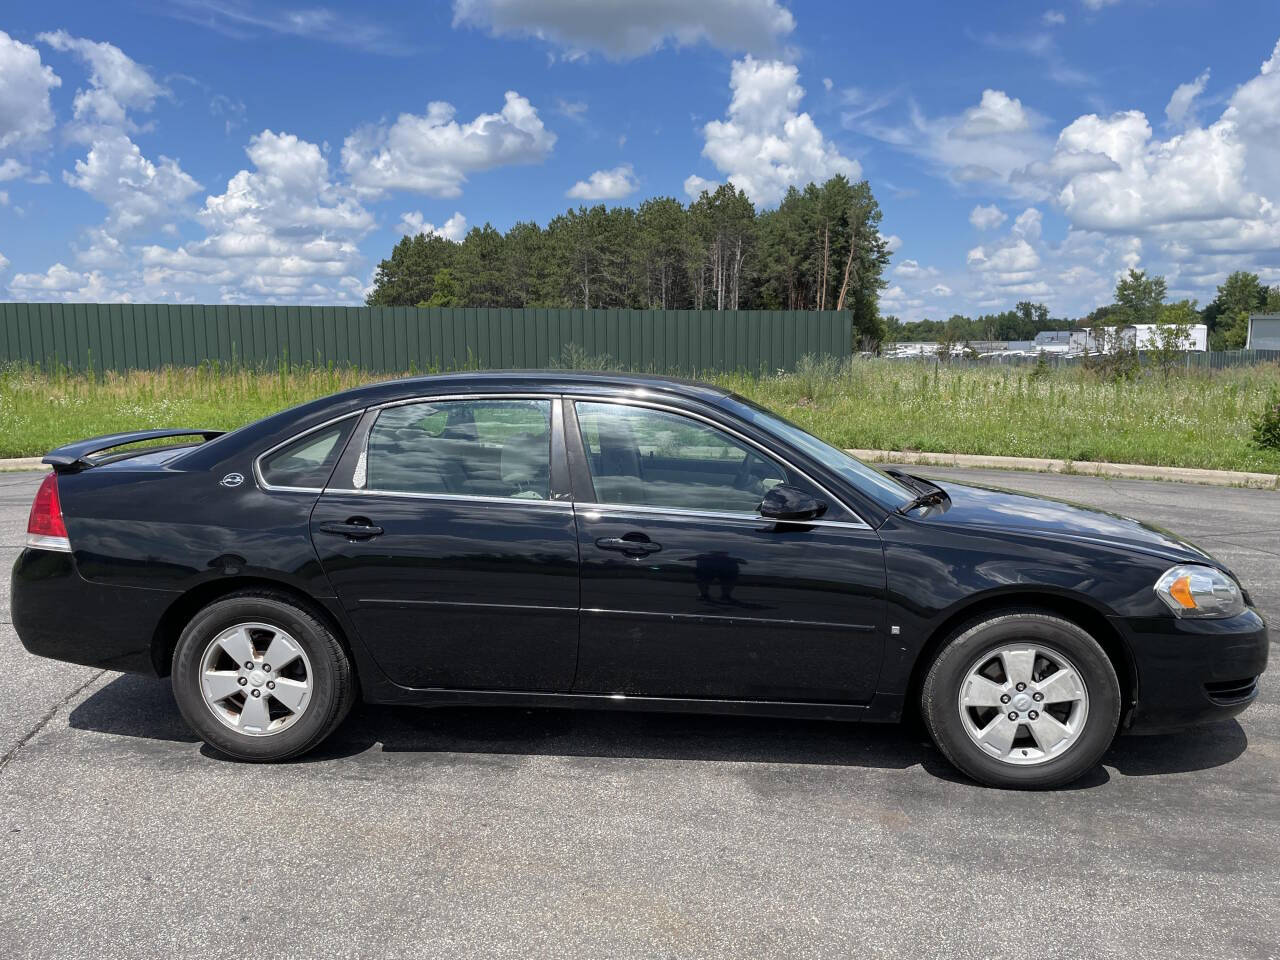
(935, 711)
(345, 689)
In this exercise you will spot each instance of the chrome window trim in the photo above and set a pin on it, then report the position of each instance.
(715, 425)
(466, 497)
(257, 461)
(622, 510)
(535, 395)
(857, 524)
(552, 398)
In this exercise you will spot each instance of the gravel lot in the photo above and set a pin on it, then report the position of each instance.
(515, 833)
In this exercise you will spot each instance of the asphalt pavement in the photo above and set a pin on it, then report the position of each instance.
(519, 833)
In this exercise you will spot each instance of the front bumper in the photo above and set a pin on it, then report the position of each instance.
(60, 615)
(1190, 672)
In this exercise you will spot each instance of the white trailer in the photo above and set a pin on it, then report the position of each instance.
(1144, 336)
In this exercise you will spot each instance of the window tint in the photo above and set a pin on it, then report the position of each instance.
(653, 458)
(880, 487)
(485, 448)
(309, 461)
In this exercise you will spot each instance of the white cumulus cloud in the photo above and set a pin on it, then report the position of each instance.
(117, 83)
(433, 153)
(26, 115)
(1013, 265)
(283, 231)
(60, 282)
(1197, 175)
(987, 217)
(987, 143)
(912, 268)
(413, 223)
(135, 190)
(766, 144)
(1181, 107)
(694, 186)
(606, 184)
(996, 113)
(624, 29)
(1192, 204)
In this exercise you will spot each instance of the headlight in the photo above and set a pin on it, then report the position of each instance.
(1190, 590)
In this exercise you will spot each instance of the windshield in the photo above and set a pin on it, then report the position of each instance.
(881, 488)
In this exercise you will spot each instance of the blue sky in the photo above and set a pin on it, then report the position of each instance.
(217, 150)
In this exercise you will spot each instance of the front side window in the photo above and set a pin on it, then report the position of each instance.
(880, 487)
(306, 463)
(477, 448)
(644, 457)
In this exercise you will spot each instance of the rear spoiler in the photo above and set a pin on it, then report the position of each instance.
(76, 456)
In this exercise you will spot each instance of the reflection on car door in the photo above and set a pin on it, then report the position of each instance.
(686, 592)
(450, 541)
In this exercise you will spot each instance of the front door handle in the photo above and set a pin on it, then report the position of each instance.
(633, 545)
(356, 528)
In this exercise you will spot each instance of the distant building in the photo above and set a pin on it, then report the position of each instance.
(915, 348)
(1053, 338)
(1082, 341)
(1144, 336)
(1264, 332)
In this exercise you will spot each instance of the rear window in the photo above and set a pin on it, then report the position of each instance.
(485, 448)
(308, 461)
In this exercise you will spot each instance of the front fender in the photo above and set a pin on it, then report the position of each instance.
(935, 573)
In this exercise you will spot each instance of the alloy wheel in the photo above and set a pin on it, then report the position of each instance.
(1023, 704)
(256, 679)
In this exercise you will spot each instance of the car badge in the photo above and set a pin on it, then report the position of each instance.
(232, 480)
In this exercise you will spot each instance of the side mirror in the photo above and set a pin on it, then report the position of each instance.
(785, 502)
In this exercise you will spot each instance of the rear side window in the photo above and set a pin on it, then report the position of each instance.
(478, 448)
(308, 461)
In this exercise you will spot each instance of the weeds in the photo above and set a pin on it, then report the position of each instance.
(1197, 420)
(1266, 428)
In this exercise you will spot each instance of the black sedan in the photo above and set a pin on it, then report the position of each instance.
(602, 541)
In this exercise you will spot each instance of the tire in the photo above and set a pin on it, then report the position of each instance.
(296, 703)
(996, 650)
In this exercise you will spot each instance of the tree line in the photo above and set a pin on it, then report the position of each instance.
(1023, 322)
(821, 249)
(1140, 298)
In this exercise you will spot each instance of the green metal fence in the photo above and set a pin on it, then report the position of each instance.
(83, 336)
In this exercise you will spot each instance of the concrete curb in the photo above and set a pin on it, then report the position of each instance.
(1131, 471)
(22, 463)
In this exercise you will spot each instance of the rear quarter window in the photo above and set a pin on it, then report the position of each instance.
(308, 461)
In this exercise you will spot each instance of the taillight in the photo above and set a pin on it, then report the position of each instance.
(45, 529)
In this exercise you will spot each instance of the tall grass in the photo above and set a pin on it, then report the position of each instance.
(1196, 420)
(1199, 420)
(41, 410)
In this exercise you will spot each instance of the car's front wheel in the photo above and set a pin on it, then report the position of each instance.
(260, 677)
(1022, 699)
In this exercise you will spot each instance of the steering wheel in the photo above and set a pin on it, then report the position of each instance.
(753, 469)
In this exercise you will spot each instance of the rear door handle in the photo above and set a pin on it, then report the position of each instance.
(356, 528)
(631, 545)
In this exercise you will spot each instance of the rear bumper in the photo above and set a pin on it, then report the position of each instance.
(60, 615)
(1191, 672)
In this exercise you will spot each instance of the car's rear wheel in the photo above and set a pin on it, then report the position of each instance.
(1022, 699)
(260, 677)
